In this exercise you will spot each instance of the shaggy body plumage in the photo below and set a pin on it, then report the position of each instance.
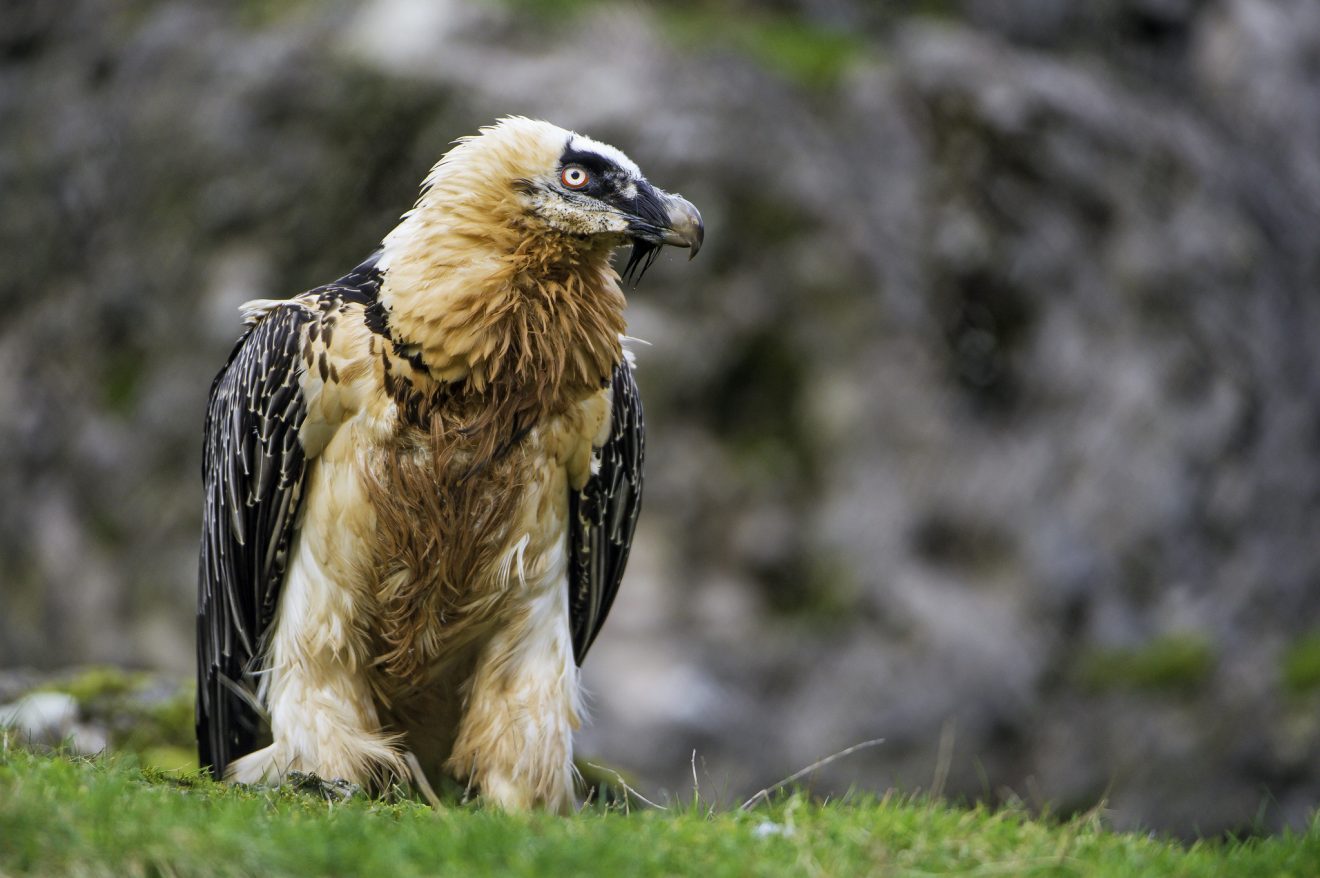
(422, 481)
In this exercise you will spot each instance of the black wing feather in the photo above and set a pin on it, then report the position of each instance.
(603, 515)
(252, 473)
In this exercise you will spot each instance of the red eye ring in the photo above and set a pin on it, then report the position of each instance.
(574, 177)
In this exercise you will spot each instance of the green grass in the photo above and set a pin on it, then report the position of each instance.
(61, 815)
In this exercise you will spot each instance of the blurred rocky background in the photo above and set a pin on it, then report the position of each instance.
(987, 423)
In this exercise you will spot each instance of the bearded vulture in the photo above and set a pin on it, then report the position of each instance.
(421, 483)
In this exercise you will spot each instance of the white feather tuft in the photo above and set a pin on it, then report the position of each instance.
(254, 310)
(516, 554)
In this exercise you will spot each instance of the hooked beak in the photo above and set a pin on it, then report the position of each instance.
(684, 228)
(660, 218)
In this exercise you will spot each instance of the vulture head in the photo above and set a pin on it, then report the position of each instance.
(523, 179)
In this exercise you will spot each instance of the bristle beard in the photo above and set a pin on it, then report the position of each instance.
(641, 259)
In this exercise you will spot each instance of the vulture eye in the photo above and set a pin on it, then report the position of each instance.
(574, 176)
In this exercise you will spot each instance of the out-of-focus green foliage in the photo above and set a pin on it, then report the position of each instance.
(263, 13)
(806, 53)
(1301, 665)
(1173, 663)
(97, 685)
(551, 10)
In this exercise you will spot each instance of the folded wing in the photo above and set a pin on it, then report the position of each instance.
(252, 473)
(603, 516)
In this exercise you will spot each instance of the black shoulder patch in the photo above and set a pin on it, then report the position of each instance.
(362, 286)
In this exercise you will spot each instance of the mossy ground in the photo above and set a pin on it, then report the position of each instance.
(64, 815)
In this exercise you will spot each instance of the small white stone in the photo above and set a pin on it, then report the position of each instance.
(767, 828)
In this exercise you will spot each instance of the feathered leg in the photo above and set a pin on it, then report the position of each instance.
(515, 741)
(316, 687)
